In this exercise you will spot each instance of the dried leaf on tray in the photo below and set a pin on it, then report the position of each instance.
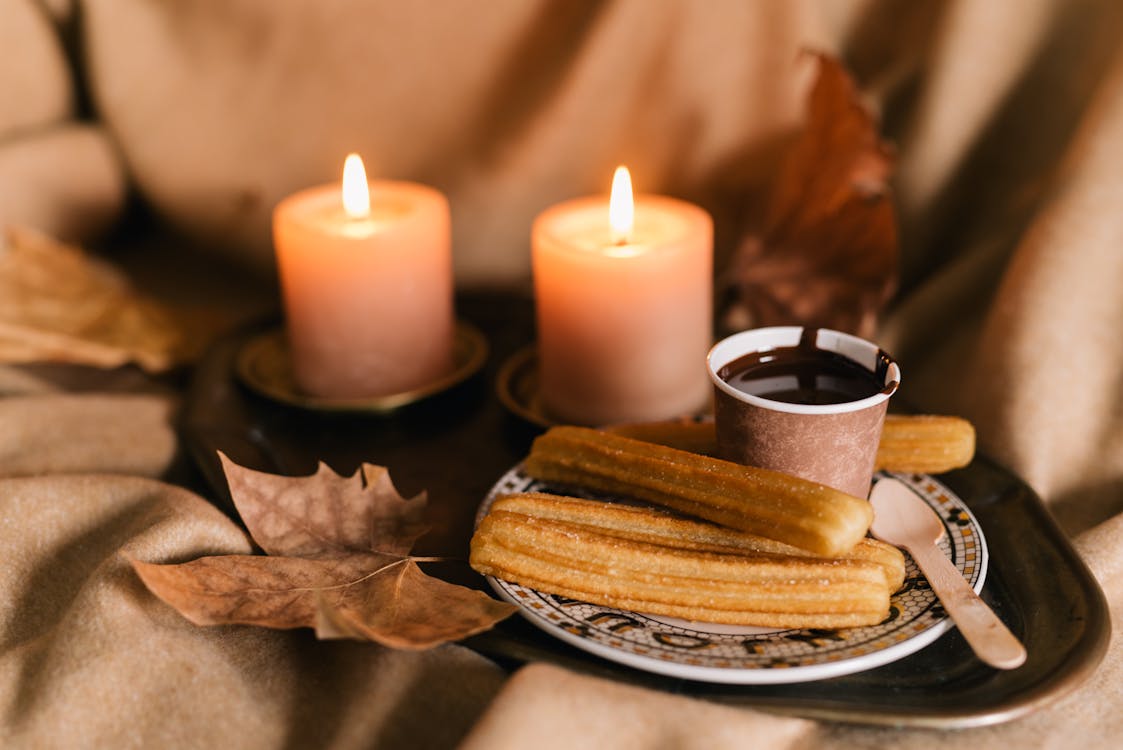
(60, 304)
(826, 253)
(337, 561)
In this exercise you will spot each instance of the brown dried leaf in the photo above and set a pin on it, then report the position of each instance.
(58, 304)
(404, 608)
(325, 514)
(274, 592)
(337, 561)
(827, 252)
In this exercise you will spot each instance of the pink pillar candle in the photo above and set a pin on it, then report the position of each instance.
(368, 295)
(624, 317)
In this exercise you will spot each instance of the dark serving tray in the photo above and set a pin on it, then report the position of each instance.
(457, 444)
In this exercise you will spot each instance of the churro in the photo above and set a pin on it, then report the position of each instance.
(911, 443)
(688, 435)
(578, 562)
(766, 503)
(925, 444)
(653, 526)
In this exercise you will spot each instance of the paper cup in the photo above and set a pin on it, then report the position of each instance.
(833, 444)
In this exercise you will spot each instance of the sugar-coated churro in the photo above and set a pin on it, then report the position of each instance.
(771, 591)
(684, 434)
(766, 503)
(925, 443)
(654, 526)
(913, 443)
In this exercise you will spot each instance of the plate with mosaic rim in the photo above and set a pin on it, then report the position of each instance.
(728, 654)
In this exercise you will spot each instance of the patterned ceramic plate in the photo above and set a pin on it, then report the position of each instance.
(758, 656)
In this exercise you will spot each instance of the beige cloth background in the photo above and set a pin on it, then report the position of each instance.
(1008, 116)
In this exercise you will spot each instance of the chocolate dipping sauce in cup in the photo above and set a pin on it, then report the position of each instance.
(805, 401)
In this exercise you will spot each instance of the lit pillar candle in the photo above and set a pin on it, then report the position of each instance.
(624, 305)
(366, 279)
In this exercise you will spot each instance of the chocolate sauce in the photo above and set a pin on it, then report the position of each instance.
(804, 374)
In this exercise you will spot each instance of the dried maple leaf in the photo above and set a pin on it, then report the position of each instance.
(337, 561)
(59, 304)
(826, 254)
(356, 514)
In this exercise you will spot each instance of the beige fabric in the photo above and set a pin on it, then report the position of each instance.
(73, 434)
(1009, 120)
(89, 659)
(545, 706)
(57, 174)
(1028, 346)
(507, 106)
(35, 84)
(65, 181)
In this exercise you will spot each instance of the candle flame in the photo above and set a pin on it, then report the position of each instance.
(356, 192)
(621, 207)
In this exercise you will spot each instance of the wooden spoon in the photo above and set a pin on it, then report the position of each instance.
(901, 518)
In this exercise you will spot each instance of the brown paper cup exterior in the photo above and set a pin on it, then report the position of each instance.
(833, 444)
